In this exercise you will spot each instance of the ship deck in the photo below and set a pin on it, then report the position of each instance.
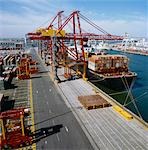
(105, 128)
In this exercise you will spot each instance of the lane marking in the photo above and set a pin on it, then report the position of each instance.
(66, 128)
(32, 112)
(58, 137)
(37, 92)
(49, 111)
(53, 122)
(56, 133)
(45, 142)
(47, 102)
(14, 92)
(49, 90)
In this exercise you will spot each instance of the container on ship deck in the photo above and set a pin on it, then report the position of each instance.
(108, 64)
(92, 65)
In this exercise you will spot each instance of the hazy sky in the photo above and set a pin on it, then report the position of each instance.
(18, 17)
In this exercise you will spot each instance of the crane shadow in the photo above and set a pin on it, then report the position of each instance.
(7, 104)
(34, 77)
(12, 86)
(42, 72)
(56, 116)
(45, 132)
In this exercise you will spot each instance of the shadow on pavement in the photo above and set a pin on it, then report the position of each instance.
(43, 72)
(52, 117)
(34, 77)
(12, 86)
(7, 104)
(45, 132)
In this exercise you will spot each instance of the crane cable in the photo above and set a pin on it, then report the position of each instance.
(130, 95)
(93, 24)
(116, 93)
(137, 99)
(128, 88)
(132, 98)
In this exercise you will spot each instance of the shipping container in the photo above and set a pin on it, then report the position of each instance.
(108, 63)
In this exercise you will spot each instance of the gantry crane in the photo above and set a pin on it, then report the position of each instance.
(26, 67)
(14, 132)
(56, 36)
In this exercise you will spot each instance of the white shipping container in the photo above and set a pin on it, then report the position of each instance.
(92, 66)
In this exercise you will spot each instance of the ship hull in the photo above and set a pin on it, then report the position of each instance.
(117, 83)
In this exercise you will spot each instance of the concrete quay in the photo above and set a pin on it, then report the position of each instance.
(105, 128)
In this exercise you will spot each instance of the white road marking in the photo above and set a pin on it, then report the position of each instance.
(37, 92)
(14, 92)
(58, 137)
(57, 133)
(47, 103)
(44, 133)
(45, 142)
(49, 90)
(49, 111)
(67, 130)
(53, 122)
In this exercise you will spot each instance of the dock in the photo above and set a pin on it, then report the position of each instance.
(76, 111)
(143, 53)
(18, 96)
(108, 129)
(105, 127)
(47, 100)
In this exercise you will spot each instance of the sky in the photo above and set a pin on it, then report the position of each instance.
(18, 17)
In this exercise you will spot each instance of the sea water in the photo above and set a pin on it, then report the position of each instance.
(139, 103)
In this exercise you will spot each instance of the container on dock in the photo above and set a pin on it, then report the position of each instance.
(93, 101)
(1, 101)
(1, 69)
(7, 78)
(7, 82)
(5, 60)
(14, 72)
(1, 83)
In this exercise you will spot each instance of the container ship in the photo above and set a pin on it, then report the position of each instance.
(112, 71)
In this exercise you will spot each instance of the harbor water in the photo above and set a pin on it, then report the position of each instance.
(137, 102)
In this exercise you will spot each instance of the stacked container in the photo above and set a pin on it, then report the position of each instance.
(108, 63)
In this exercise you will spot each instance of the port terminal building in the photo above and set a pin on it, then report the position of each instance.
(12, 43)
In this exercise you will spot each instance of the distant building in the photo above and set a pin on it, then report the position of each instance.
(12, 44)
(31, 43)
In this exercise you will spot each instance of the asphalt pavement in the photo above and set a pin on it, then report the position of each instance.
(56, 128)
